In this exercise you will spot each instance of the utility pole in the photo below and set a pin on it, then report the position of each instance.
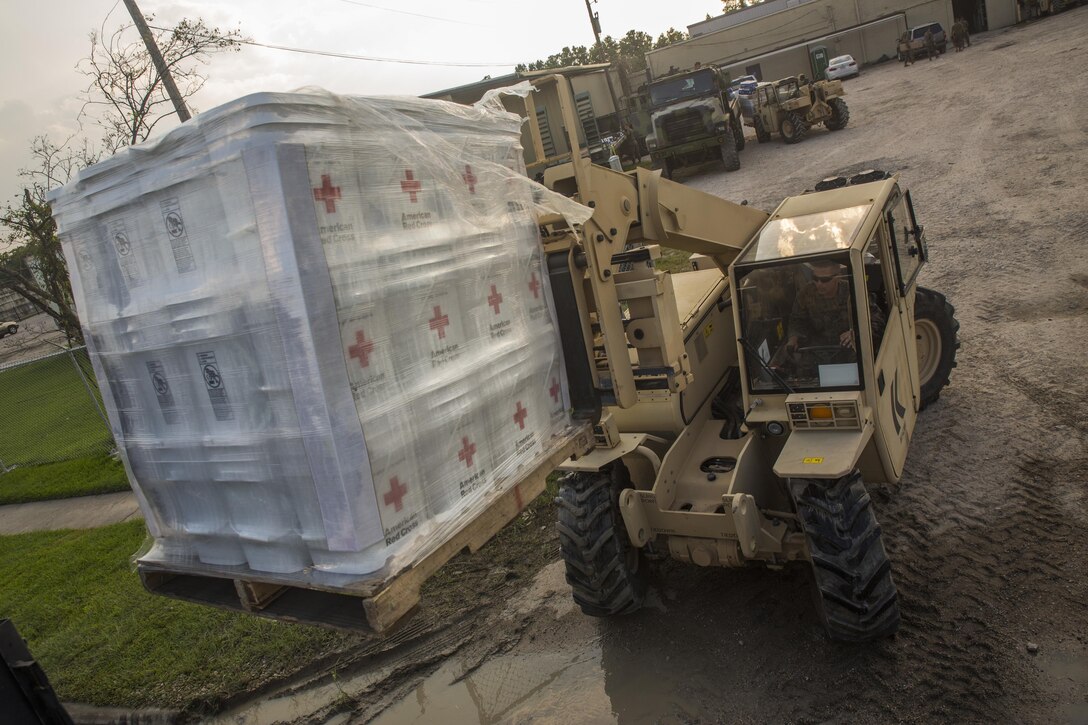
(160, 64)
(595, 22)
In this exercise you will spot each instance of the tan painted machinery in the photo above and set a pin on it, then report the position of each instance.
(739, 408)
(792, 106)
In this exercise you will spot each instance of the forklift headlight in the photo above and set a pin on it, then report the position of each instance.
(775, 428)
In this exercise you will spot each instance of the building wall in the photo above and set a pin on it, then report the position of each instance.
(810, 21)
(741, 16)
(1001, 13)
(14, 306)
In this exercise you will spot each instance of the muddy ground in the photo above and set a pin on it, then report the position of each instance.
(986, 530)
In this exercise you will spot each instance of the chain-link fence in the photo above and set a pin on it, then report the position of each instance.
(53, 410)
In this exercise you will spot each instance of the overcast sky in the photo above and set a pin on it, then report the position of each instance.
(42, 42)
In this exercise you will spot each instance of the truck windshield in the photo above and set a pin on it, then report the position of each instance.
(799, 327)
(677, 89)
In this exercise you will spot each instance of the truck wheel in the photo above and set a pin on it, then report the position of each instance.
(792, 127)
(738, 133)
(840, 115)
(606, 573)
(12, 329)
(730, 155)
(935, 328)
(762, 134)
(855, 594)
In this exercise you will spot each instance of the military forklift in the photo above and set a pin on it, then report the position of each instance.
(726, 433)
(792, 106)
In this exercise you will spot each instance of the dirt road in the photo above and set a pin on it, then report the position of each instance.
(986, 531)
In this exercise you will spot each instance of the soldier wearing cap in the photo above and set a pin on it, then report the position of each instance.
(821, 311)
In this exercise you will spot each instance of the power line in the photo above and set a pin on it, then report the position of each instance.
(417, 15)
(351, 56)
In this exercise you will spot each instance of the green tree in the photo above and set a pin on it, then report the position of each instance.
(32, 263)
(629, 52)
(670, 36)
(731, 6)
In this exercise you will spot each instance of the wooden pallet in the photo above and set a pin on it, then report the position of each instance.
(374, 606)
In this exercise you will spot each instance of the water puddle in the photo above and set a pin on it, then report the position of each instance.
(513, 688)
(546, 686)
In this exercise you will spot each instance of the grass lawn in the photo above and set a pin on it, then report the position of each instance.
(103, 640)
(48, 414)
(78, 477)
(673, 260)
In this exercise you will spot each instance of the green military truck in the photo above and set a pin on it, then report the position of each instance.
(693, 119)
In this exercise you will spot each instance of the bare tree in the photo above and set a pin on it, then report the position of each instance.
(126, 95)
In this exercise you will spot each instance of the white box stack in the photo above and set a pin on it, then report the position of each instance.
(319, 324)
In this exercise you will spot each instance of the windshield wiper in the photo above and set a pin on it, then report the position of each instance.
(755, 353)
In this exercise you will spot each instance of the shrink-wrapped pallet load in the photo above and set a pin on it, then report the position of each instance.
(320, 327)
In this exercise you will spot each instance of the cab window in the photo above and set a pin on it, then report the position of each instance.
(908, 243)
(798, 325)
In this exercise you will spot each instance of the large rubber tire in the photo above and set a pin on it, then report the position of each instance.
(762, 134)
(792, 127)
(935, 332)
(606, 573)
(12, 329)
(855, 594)
(840, 115)
(738, 133)
(730, 155)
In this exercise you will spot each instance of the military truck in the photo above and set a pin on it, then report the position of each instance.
(791, 106)
(693, 119)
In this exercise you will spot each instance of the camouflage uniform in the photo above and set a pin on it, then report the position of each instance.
(818, 320)
(904, 50)
(931, 45)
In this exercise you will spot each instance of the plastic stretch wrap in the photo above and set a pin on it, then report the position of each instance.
(320, 324)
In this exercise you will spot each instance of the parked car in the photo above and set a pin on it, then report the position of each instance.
(743, 88)
(843, 66)
(8, 328)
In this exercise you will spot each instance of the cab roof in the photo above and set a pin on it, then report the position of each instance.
(820, 222)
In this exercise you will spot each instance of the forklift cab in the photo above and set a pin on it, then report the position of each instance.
(796, 300)
(824, 313)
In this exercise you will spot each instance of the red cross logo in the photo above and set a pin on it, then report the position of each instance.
(410, 185)
(470, 179)
(494, 299)
(534, 286)
(327, 193)
(361, 349)
(396, 494)
(519, 416)
(440, 322)
(554, 390)
(467, 451)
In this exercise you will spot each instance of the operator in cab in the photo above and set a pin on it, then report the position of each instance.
(821, 311)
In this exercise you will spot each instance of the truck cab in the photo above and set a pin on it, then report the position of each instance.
(693, 119)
